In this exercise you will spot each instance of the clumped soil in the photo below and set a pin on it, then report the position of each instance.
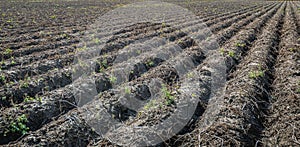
(257, 44)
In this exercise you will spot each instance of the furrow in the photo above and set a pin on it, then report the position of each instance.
(75, 115)
(282, 123)
(40, 68)
(241, 110)
(25, 86)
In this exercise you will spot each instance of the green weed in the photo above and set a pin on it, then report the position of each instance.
(24, 84)
(28, 99)
(8, 51)
(240, 44)
(222, 51)
(113, 79)
(82, 49)
(2, 78)
(231, 54)
(167, 94)
(256, 74)
(13, 62)
(53, 16)
(18, 125)
(127, 90)
(150, 63)
(190, 75)
(103, 65)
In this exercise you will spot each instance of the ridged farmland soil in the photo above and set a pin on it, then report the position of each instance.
(258, 41)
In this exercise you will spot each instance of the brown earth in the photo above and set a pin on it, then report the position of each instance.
(258, 41)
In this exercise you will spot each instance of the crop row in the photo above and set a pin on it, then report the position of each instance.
(81, 125)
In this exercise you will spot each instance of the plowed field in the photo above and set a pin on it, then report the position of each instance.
(229, 71)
